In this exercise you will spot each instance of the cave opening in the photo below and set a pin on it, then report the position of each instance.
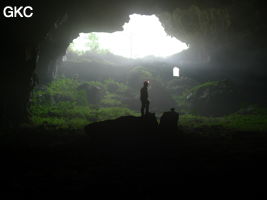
(101, 74)
(142, 36)
(176, 71)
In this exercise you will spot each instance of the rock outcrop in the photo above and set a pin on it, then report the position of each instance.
(169, 121)
(123, 126)
(214, 98)
(124, 135)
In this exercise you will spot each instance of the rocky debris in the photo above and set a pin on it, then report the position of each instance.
(169, 120)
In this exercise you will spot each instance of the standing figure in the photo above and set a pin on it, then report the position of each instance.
(144, 99)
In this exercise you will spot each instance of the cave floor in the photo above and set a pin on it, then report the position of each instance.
(35, 162)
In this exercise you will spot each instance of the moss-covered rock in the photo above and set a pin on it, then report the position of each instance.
(213, 98)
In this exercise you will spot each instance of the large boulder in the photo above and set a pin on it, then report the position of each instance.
(214, 98)
(124, 134)
(169, 120)
(124, 125)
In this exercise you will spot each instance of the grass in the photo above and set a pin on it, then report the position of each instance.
(64, 104)
(77, 116)
(71, 103)
(250, 122)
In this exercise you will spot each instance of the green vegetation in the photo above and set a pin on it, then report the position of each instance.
(92, 45)
(72, 103)
(247, 118)
(68, 102)
(204, 85)
(182, 100)
(213, 98)
(250, 122)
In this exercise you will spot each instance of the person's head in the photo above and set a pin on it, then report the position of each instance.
(146, 83)
(172, 109)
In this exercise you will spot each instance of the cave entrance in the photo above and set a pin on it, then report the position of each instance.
(142, 36)
(143, 41)
(101, 74)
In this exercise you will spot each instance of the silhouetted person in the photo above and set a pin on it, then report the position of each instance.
(144, 99)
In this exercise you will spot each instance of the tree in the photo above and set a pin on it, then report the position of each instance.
(93, 42)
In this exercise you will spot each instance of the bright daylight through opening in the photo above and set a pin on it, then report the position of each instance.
(142, 36)
(176, 71)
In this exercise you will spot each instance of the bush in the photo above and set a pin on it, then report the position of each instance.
(67, 102)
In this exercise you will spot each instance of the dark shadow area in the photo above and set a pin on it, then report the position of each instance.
(131, 158)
